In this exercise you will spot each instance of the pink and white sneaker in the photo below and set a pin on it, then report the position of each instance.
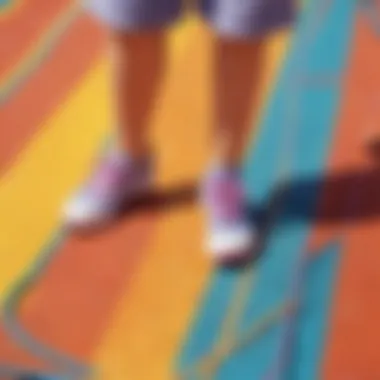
(117, 180)
(229, 234)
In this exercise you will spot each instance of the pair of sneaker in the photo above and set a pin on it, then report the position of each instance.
(229, 235)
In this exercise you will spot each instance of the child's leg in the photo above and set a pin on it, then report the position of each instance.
(239, 28)
(138, 58)
(237, 69)
(137, 45)
(137, 65)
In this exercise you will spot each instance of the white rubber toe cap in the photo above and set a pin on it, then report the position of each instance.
(80, 212)
(231, 243)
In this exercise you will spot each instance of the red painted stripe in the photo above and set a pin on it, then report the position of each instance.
(20, 30)
(351, 205)
(71, 306)
(47, 88)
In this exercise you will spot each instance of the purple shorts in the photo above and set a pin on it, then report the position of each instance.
(235, 18)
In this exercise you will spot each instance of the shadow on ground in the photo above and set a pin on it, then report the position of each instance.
(346, 197)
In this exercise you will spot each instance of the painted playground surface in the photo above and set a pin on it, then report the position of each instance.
(140, 300)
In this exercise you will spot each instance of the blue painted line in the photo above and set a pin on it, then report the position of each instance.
(314, 315)
(316, 116)
(209, 319)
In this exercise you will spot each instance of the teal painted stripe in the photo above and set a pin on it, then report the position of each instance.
(316, 116)
(314, 315)
(312, 322)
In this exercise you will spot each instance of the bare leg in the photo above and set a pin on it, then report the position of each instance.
(137, 68)
(237, 69)
(138, 65)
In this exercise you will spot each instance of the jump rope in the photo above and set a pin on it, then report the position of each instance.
(66, 368)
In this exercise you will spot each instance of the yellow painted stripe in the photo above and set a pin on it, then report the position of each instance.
(32, 190)
(151, 321)
(57, 159)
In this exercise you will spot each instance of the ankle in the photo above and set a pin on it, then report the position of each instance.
(138, 154)
(220, 168)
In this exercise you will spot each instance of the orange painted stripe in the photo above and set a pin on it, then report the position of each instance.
(360, 80)
(353, 185)
(71, 306)
(18, 32)
(24, 113)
